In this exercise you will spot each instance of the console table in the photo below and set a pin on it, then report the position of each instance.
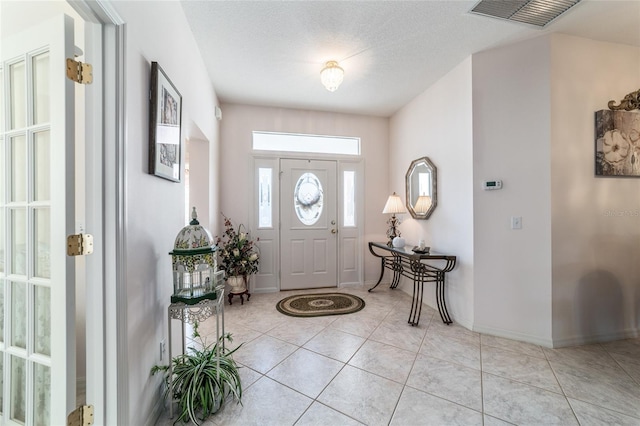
(421, 268)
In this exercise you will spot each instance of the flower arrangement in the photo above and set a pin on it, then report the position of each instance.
(238, 252)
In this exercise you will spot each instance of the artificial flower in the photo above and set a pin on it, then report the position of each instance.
(237, 252)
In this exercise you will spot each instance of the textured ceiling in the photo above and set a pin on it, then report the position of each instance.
(271, 52)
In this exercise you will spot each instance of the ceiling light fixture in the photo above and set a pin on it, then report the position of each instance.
(331, 75)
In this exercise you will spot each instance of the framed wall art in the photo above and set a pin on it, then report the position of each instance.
(617, 137)
(165, 120)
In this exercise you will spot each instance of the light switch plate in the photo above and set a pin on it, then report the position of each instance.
(516, 222)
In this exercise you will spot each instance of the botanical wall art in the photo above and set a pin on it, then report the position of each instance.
(617, 143)
(617, 135)
(165, 119)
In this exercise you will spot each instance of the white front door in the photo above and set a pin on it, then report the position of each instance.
(308, 210)
(37, 281)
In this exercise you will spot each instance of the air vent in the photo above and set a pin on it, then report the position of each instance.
(532, 12)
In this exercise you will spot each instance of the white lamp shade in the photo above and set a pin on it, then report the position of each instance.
(423, 204)
(394, 205)
(331, 76)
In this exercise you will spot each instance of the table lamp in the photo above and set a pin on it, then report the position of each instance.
(394, 206)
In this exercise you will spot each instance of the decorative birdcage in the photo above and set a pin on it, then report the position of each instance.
(195, 274)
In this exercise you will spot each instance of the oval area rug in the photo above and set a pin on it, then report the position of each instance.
(319, 304)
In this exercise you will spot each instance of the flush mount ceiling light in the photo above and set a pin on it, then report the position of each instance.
(331, 75)
(532, 12)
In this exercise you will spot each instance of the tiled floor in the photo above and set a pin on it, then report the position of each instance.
(372, 368)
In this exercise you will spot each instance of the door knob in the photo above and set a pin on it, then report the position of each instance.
(334, 231)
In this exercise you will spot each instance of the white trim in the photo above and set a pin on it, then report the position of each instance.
(629, 333)
(508, 334)
(94, 316)
(107, 387)
(576, 340)
(115, 224)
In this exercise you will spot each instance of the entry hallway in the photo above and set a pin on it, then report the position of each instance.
(372, 368)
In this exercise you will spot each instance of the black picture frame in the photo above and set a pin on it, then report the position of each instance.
(165, 126)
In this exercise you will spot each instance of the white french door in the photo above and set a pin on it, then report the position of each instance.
(308, 232)
(37, 281)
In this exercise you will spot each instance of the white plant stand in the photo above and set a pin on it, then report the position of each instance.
(212, 304)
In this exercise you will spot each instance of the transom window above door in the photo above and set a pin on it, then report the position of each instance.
(290, 142)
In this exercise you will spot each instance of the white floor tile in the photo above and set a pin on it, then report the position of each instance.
(384, 360)
(321, 415)
(366, 397)
(372, 368)
(447, 380)
(416, 407)
(524, 404)
(307, 372)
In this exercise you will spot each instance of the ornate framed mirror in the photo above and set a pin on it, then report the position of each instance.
(420, 184)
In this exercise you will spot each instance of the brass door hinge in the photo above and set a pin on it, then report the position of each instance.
(81, 416)
(79, 72)
(79, 244)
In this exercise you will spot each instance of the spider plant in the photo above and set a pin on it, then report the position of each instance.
(202, 379)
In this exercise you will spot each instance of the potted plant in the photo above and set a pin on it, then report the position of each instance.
(238, 254)
(202, 379)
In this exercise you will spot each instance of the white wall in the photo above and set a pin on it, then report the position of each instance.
(200, 182)
(155, 31)
(438, 124)
(595, 254)
(236, 170)
(511, 132)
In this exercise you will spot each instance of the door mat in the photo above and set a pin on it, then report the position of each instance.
(320, 304)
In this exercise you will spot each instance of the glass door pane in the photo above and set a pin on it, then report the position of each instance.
(41, 171)
(41, 88)
(18, 385)
(42, 392)
(1, 106)
(18, 315)
(42, 237)
(18, 168)
(18, 238)
(42, 313)
(17, 95)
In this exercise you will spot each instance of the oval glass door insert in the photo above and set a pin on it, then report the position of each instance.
(308, 198)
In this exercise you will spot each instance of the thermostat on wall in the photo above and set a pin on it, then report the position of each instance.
(491, 184)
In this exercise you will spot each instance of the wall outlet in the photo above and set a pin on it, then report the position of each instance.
(163, 348)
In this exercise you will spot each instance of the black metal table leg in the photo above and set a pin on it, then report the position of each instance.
(397, 272)
(442, 305)
(381, 273)
(405, 263)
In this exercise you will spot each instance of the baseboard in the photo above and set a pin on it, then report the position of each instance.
(276, 289)
(265, 290)
(577, 340)
(630, 333)
(513, 335)
(158, 410)
(351, 285)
